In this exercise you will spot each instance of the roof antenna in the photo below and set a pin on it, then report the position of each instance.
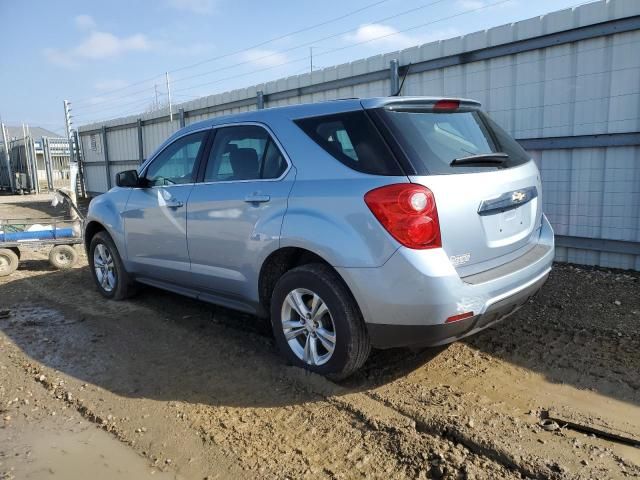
(404, 77)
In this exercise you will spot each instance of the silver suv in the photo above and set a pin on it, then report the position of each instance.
(353, 224)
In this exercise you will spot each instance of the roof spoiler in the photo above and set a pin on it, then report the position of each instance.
(441, 105)
(422, 104)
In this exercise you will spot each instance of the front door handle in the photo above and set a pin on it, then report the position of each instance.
(174, 204)
(257, 198)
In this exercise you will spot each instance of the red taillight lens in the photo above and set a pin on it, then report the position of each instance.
(446, 105)
(408, 212)
(457, 318)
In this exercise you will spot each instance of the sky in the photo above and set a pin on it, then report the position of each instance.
(109, 58)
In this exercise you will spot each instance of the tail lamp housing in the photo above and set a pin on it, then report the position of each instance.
(408, 212)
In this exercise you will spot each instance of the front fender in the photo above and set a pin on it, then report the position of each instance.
(106, 209)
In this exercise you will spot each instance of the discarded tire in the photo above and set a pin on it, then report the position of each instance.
(63, 256)
(8, 262)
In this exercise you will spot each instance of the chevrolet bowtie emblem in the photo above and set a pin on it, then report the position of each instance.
(518, 196)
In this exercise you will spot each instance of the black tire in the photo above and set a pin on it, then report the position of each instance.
(352, 345)
(123, 285)
(8, 262)
(63, 257)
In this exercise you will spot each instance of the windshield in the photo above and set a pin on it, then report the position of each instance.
(432, 140)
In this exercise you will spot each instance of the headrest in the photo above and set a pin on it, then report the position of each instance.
(244, 162)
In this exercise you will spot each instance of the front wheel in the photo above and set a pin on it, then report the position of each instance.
(107, 268)
(316, 322)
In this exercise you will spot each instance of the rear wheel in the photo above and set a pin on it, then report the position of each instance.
(317, 323)
(107, 268)
(8, 262)
(63, 256)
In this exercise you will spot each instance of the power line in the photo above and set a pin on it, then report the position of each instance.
(322, 39)
(305, 58)
(236, 52)
(96, 105)
(280, 52)
(261, 44)
(334, 49)
(109, 92)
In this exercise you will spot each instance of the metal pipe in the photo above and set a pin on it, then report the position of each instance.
(6, 151)
(166, 74)
(259, 100)
(105, 149)
(394, 77)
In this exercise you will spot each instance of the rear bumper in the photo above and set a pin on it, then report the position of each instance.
(407, 300)
(389, 335)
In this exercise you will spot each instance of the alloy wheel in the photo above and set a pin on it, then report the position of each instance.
(308, 326)
(104, 267)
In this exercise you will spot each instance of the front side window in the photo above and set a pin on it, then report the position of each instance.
(245, 152)
(353, 140)
(176, 164)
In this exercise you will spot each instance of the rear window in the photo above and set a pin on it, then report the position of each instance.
(432, 140)
(352, 139)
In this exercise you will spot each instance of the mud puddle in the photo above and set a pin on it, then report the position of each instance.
(74, 454)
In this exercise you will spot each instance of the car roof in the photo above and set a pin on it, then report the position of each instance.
(303, 110)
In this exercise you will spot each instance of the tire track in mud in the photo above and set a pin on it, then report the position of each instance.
(391, 427)
(318, 433)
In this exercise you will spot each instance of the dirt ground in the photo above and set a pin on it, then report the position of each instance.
(167, 387)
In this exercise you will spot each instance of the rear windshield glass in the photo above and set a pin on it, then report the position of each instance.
(352, 139)
(432, 140)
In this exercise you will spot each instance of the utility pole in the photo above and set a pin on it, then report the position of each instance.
(169, 96)
(311, 59)
(155, 86)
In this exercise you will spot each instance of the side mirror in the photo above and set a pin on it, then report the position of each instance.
(128, 179)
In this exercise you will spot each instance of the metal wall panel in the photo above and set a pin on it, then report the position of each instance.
(95, 178)
(120, 143)
(584, 84)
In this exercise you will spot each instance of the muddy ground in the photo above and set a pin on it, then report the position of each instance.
(166, 387)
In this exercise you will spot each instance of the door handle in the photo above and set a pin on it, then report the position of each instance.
(174, 204)
(257, 198)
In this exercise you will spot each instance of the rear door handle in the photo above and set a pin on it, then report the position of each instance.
(257, 198)
(175, 204)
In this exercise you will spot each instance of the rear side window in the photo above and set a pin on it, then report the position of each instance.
(352, 139)
(432, 140)
(244, 152)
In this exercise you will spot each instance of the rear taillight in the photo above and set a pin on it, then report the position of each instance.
(408, 212)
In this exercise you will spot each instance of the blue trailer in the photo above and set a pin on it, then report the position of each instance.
(62, 234)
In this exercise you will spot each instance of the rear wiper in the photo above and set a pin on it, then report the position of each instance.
(497, 158)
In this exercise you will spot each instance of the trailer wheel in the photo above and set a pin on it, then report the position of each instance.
(63, 256)
(8, 262)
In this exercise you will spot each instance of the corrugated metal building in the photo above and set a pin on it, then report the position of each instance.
(566, 85)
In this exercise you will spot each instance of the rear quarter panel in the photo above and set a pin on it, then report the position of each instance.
(330, 218)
